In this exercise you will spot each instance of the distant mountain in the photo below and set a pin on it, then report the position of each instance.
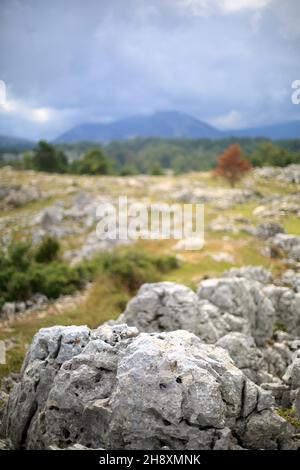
(170, 125)
(14, 144)
(286, 130)
(164, 124)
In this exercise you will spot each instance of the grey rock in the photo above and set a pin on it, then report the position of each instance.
(290, 173)
(50, 217)
(287, 307)
(280, 392)
(244, 299)
(292, 375)
(253, 435)
(8, 310)
(39, 299)
(244, 353)
(277, 357)
(291, 278)
(268, 229)
(20, 307)
(4, 444)
(253, 273)
(113, 388)
(290, 244)
(167, 306)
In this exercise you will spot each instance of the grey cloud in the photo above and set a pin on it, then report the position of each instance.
(95, 60)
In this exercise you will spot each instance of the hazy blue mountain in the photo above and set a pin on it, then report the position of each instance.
(170, 125)
(164, 124)
(14, 144)
(286, 130)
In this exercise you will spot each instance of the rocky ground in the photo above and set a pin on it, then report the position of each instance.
(209, 358)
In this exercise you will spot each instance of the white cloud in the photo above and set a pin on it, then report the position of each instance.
(231, 120)
(28, 112)
(204, 7)
(42, 115)
(238, 5)
(35, 118)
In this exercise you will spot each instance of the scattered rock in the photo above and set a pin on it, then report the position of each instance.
(11, 310)
(288, 243)
(268, 230)
(292, 279)
(253, 273)
(223, 257)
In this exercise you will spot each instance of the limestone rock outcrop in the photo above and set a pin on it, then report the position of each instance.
(117, 388)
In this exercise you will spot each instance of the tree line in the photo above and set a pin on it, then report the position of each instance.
(153, 156)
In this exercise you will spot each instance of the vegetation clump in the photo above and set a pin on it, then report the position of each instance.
(26, 270)
(289, 414)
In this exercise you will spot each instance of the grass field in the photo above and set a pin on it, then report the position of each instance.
(107, 297)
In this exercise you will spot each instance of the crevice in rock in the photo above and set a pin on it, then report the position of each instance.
(31, 414)
(56, 352)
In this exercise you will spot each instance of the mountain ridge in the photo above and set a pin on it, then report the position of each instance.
(162, 124)
(171, 125)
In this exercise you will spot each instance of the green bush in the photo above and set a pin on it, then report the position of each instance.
(25, 270)
(18, 286)
(54, 279)
(94, 162)
(135, 268)
(166, 263)
(19, 255)
(46, 158)
(47, 251)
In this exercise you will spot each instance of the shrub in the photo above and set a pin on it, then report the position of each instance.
(289, 414)
(47, 158)
(166, 263)
(131, 270)
(135, 268)
(25, 271)
(47, 251)
(19, 287)
(94, 162)
(54, 279)
(19, 255)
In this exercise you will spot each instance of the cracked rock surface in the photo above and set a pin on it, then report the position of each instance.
(117, 388)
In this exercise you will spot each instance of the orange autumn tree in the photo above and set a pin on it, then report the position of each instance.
(232, 165)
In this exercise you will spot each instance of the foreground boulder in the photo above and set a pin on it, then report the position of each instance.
(115, 388)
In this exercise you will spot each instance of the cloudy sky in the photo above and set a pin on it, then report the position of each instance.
(228, 62)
